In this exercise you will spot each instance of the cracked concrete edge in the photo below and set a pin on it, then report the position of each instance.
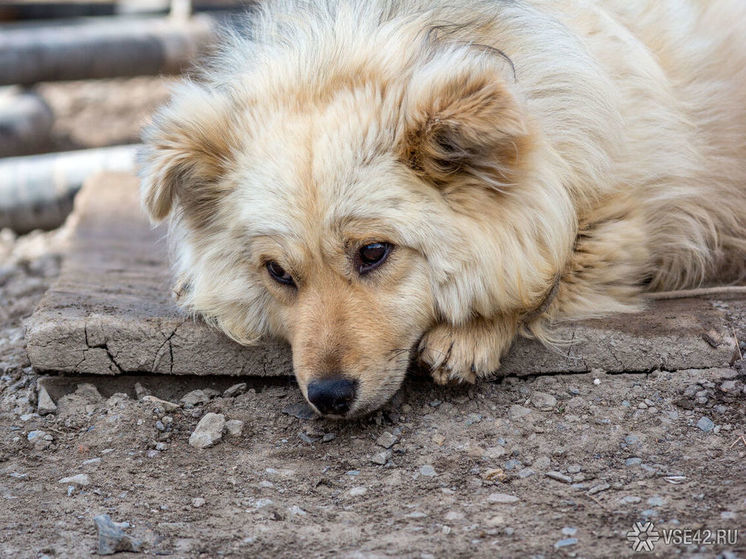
(101, 344)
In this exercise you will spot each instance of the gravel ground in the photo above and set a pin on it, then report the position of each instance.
(551, 466)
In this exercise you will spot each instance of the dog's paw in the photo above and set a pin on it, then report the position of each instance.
(461, 354)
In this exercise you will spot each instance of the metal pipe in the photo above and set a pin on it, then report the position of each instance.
(37, 191)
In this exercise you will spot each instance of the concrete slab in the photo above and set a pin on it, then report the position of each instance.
(111, 312)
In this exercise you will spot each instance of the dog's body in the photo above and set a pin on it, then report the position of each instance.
(365, 177)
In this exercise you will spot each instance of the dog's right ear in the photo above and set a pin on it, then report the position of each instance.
(185, 151)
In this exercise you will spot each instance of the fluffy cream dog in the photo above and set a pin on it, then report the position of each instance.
(376, 180)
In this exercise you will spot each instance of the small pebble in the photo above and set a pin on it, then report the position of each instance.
(209, 431)
(558, 476)
(234, 427)
(656, 501)
(197, 502)
(328, 437)
(80, 480)
(358, 491)
(705, 424)
(565, 543)
(45, 404)
(300, 410)
(569, 531)
(386, 440)
(427, 470)
(502, 498)
(111, 536)
(634, 461)
(630, 500)
(381, 458)
(234, 390)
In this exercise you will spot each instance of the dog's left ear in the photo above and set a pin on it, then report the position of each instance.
(462, 120)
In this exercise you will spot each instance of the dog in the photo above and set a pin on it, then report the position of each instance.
(382, 181)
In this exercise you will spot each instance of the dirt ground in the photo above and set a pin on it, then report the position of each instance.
(551, 466)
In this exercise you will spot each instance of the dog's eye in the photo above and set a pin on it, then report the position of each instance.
(279, 274)
(371, 256)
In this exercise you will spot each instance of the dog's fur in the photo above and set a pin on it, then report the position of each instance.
(500, 146)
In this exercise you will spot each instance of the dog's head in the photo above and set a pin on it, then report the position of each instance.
(347, 208)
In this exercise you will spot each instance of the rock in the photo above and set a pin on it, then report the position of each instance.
(89, 393)
(517, 412)
(630, 500)
(198, 397)
(40, 439)
(197, 502)
(558, 476)
(80, 480)
(705, 424)
(569, 531)
(328, 437)
(358, 491)
(565, 543)
(543, 401)
(526, 472)
(656, 501)
(598, 488)
(300, 410)
(542, 463)
(235, 390)
(111, 536)
(502, 498)
(428, 471)
(495, 452)
(574, 469)
(209, 431)
(141, 391)
(495, 474)
(234, 427)
(381, 458)
(45, 404)
(166, 405)
(634, 461)
(386, 440)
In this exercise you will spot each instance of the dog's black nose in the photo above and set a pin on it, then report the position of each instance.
(332, 396)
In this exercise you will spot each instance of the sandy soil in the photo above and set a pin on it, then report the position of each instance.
(552, 466)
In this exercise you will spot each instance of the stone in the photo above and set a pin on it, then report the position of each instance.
(164, 404)
(630, 500)
(358, 491)
(141, 391)
(381, 458)
(517, 412)
(598, 488)
(112, 538)
(567, 542)
(543, 401)
(209, 431)
(386, 440)
(558, 476)
(656, 501)
(301, 410)
(198, 502)
(705, 424)
(428, 471)
(79, 480)
(526, 472)
(45, 405)
(502, 498)
(234, 427)
(235, 390)
(89, 393)
(634, 461)
(198, 397)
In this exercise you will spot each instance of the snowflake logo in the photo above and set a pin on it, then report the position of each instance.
(643, 536)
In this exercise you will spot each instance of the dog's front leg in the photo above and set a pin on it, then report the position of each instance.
(464, 353)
